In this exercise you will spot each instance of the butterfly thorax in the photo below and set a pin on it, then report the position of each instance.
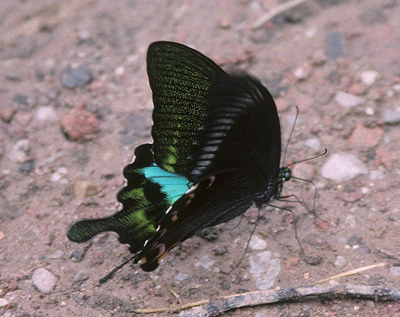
(274, 188)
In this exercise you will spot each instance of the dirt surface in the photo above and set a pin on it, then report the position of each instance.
(305, 57)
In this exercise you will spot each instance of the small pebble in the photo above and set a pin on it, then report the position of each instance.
(351, 196)
(205, 262)
(357, 89)
(21, 46)
(77, 255)
(291, 262)
(13, 77)
(80, 277)
(56, 255)
(21, 99)
(46, 114)
(348, 100)
(363, 250)
(7, 114)
(209, 234)
(23, 118)
(334, 45)
(119, 71)
(395, 270)
(365, 136)
(369, 111)
(220, 250)
(44, 281)
(257, 244)
(265, 268)
(387, 157)
(342, 167)
(313, 143)
(340, 261)
(368, 77)
(52, 94)
(76, 77)
(372, 16)
(20, 151)
(59, 174)
(79, 124)
(302, 72)
(391, 116)
(3, 303)
(27, 167)
(83, 189)
(181, 277)
(318, 58)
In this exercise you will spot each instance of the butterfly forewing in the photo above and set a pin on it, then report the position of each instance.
(180, 79)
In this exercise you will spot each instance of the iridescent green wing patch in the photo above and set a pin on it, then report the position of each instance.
(180, 79)
(148, 194)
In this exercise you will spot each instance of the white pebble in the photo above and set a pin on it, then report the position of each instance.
(368, 77)
(313, 143)
(3, 303)
(348, 100)
(20, 151)
(181, 277)
(395, 270)
(340, 261)
(46, 114)
(342, 167)
(256, 243)
(265, 268)
(44, 281)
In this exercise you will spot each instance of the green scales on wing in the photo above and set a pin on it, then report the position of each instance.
(180, 79)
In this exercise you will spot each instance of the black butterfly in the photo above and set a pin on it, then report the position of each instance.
(216, 151)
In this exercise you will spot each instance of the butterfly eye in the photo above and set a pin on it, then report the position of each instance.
(287, 175)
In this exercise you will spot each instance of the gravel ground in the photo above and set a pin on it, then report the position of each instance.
(76, 102)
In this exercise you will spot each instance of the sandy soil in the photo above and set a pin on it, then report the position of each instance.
(358, 220)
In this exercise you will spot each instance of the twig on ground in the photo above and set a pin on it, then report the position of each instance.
(276, 11)
(352, 272)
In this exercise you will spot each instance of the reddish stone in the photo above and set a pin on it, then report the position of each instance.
(23, 118)
(352, 196)
(79, 124)
(357, 89)
(321, 224)
(363, 136)
(7, 114)
(386, 157)
(35, 210)
(98, 86)
(292, 262)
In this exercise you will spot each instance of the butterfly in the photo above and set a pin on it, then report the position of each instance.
(215, 152)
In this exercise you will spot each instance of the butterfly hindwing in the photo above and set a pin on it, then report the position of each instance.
(206, 205)
(148, 193)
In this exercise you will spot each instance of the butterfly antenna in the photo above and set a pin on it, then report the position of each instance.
(309, 159)
(290, 135)
(248, 243)
(112, 273)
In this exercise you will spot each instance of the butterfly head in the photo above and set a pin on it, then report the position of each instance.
(284, 174)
